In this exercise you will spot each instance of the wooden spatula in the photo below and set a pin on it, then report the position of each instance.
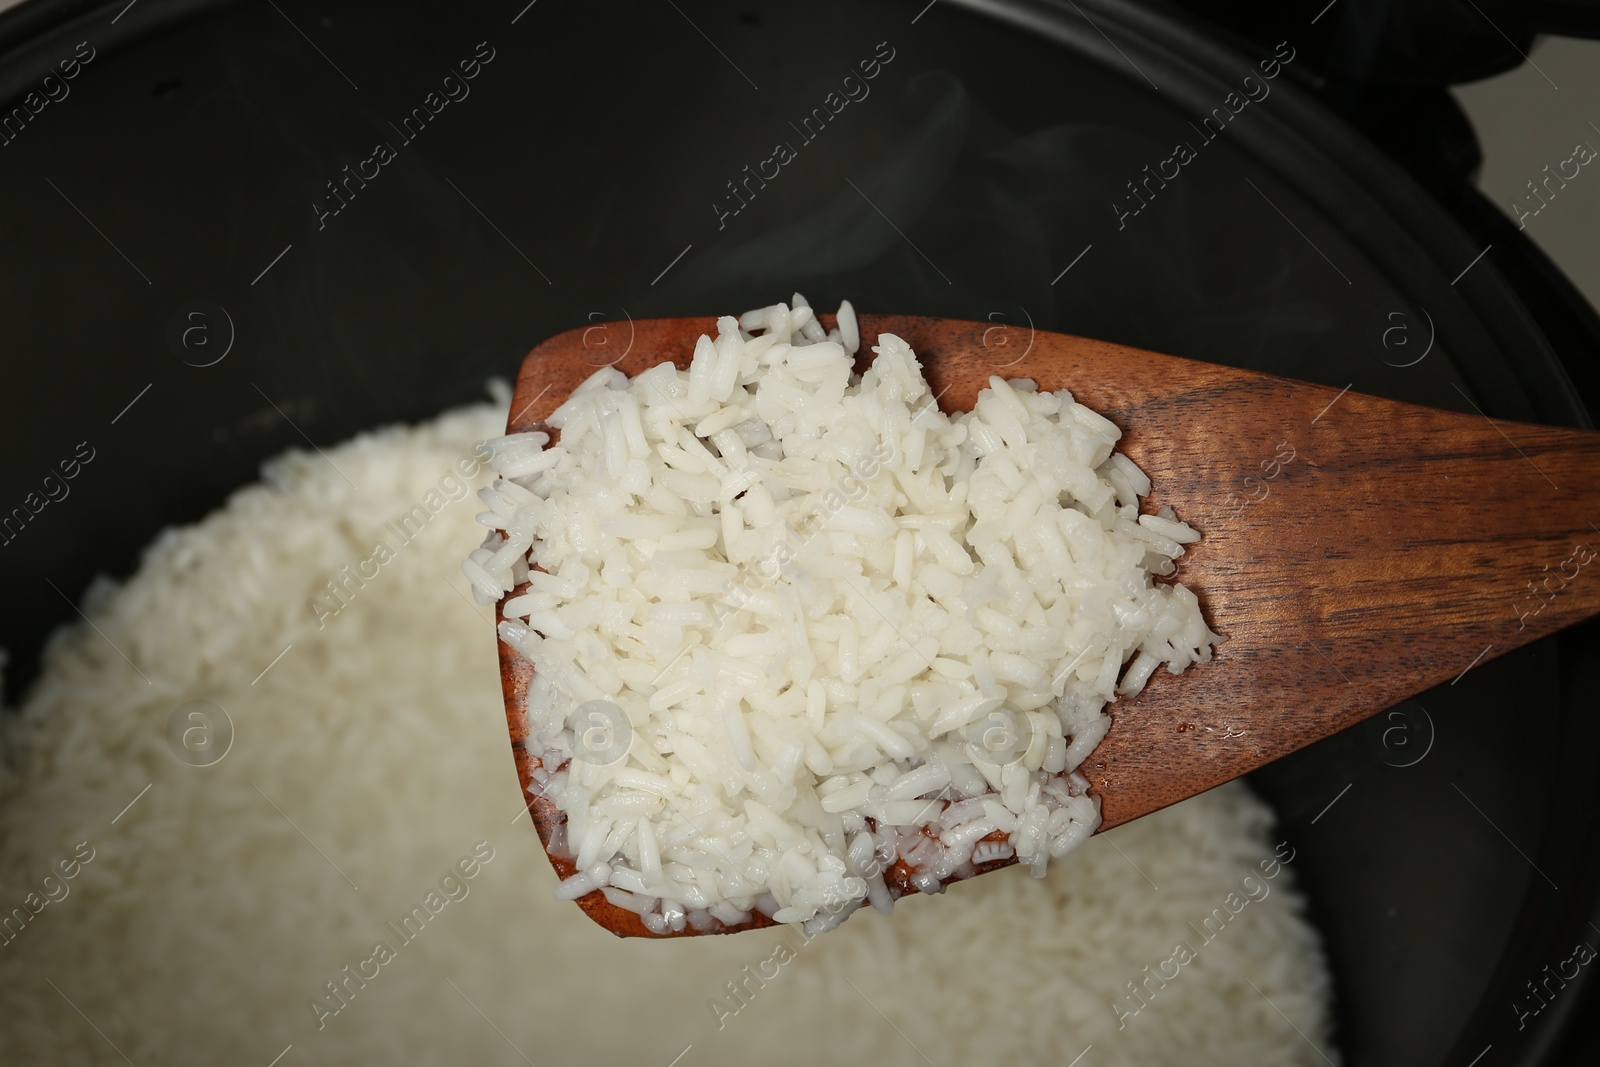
(1356, 550)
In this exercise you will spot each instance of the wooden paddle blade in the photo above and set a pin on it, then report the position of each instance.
(1356, 551)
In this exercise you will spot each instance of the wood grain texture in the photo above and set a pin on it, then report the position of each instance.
(1356, 550)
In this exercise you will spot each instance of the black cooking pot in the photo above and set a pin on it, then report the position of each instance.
(236, 228)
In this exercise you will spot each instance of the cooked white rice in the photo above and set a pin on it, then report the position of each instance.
(205, 923)
(838, 626)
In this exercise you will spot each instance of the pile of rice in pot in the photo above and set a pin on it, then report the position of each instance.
(227, 912)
